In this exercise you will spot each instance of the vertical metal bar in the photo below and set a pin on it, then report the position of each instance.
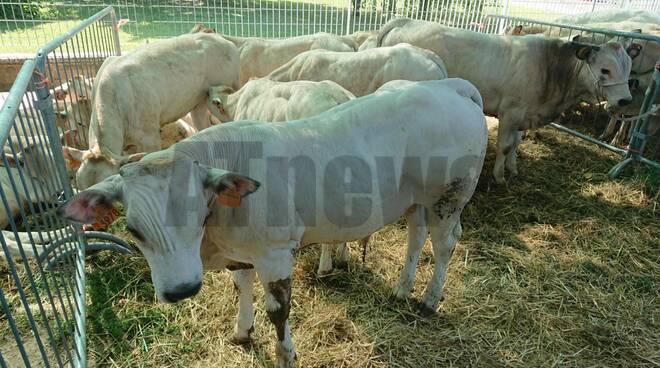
(12, 323)
(115, 32)
(348, 17)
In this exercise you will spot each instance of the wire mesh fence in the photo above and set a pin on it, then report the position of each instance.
(25, 24)
(629, 131)
(42, 307)
(42, 259)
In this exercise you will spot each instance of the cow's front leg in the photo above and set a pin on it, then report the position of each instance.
(244, 283)
(507, 133)
(325, 261)
(275, 275)
(199, 117)
(511, 158)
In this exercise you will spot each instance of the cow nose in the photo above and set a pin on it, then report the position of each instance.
(624, 101)
(182, 291)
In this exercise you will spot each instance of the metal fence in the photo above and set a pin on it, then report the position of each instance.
(42, 262)
(24, 24)
(645, 73)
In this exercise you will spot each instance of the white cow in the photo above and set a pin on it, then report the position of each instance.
(270, 101)
(260, 56)
(643, 53)
(356, 168)
(72, 104)
(525, 81)
(365, 71)
(31, 169)
(137, 93)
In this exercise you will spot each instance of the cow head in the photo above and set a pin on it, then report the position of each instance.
(217, 103)
(94, 166)
(166, 200)
(608, 68)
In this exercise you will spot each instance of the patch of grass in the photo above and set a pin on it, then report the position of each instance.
(558, 267)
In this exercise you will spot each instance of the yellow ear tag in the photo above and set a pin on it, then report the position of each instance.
(104, 221)
(230, 197)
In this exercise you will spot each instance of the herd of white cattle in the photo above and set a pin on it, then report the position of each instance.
(231, 152)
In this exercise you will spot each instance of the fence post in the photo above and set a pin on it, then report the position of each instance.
(115, 31)
(348, 17)
(505, 12)
(45, 106)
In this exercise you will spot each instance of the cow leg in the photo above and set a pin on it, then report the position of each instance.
(609, 130)
(417, 232)
(506, 139)
(199, 117)
(620, 139)
(275, 275)
(244, 283)
(342, 256)
(325, 262)
(445, 233)
(511, 163)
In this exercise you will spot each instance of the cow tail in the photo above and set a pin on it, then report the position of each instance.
(394, 23)
(468, 90)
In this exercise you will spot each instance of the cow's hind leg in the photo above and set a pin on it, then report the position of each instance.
(445, 233)
(325, 261)
(244, 283)
(417, 232)
(275, 274)
(342, 256)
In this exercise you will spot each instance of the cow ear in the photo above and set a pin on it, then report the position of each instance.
(70, 137)
(93, 203)
(132, 158)
(224, 182)
(583, 52)
(13, 161)
(73, 156)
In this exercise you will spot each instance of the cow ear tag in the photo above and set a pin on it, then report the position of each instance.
(103, 221)
(230, 197)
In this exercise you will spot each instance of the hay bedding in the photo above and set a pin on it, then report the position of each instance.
(558, 268)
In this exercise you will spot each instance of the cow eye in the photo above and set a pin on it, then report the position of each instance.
(605, 71)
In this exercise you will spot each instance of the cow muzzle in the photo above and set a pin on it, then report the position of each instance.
(181, 292)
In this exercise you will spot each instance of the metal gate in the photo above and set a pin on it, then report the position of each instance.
(42, 262)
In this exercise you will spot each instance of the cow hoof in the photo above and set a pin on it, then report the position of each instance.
(400, 293)
(324, 273)
(241, 340)
(425, 310)
(341, 265)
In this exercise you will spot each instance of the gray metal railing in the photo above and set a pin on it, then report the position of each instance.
(42, 260)
(646, 68)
